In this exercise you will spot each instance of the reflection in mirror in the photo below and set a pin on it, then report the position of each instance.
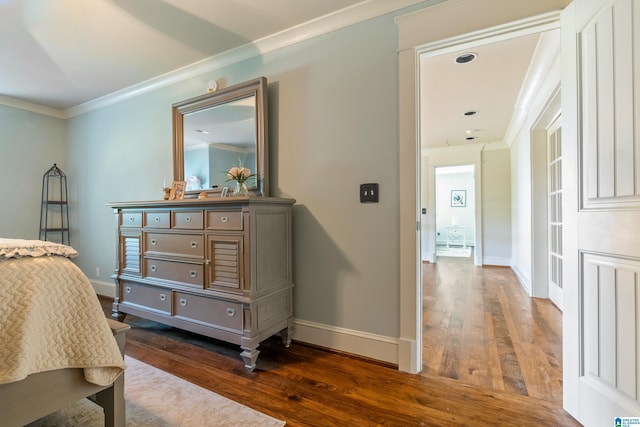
(219, 130)
(217, 138)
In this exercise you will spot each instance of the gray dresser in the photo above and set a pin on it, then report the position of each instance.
(219, 267)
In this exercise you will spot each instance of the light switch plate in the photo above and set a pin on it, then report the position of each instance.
(369, 193)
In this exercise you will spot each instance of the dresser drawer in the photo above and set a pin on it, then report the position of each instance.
(131, 219)
(182, 272)
(190, 220)
(224, 220)
(222, 314)
(147, 296)
(189, 245)
(156, 219)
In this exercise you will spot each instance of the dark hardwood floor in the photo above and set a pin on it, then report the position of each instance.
(460, 386)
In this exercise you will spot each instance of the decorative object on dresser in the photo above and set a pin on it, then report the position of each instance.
(177, 190)
(220, 267)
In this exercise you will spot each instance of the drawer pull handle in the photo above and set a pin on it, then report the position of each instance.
(194, 245)
(224, 219)
(183, 302)
(153, 268)
(131, 219)
(157, 219)
(193, 273)
(187, 219)
(163, 297)
(154, 241)
(128, 289)
(231, 312)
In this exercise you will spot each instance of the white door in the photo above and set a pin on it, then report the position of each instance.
(554, 191)
(601, 160)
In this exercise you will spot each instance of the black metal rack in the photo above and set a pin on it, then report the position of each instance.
(54, 212)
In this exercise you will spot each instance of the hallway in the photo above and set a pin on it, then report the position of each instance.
(482, 329)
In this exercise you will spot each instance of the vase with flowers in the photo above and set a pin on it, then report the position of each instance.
(240, 175)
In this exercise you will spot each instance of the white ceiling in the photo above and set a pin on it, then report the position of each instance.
(64, 53)
(61, 53)
(489, 85)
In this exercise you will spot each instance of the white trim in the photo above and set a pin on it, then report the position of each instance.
(497, 261)
(104, 288)
(365, 344)
(523, 27)
(30, 106)
(359, 12)
(525, 281)
(543, 73)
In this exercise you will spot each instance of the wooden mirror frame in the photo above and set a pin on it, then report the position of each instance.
(257, 87)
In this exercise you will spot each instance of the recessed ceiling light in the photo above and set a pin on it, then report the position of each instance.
(465, 58)
(470, 113)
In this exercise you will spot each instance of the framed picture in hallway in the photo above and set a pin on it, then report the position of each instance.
(458, 198)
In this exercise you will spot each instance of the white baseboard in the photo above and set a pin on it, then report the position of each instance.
(524, 280)
(107, 289)
(408, 356)
(365, 344)
(502, 262)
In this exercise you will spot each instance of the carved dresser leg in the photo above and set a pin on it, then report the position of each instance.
(250, 357)
(287, 333)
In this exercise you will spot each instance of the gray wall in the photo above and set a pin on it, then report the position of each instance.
(496, 206)
(333, 105)
(333, 125)
(30, 144)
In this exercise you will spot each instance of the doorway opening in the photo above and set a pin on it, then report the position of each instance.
(471, 316)
(455, 211)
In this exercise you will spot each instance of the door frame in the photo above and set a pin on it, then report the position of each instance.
(414, 40)
(539, 205)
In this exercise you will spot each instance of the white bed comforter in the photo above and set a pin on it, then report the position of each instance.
(50, 317)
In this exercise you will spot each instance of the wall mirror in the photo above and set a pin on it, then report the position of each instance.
(219, 130)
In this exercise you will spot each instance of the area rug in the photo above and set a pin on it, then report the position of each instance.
(453, 252)
(157, 398)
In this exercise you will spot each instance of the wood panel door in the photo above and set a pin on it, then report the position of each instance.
(602, 236)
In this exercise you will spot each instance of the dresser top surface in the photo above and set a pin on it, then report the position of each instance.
(203, 203)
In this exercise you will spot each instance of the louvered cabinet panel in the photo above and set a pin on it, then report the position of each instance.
(225, 272)
(131, 252)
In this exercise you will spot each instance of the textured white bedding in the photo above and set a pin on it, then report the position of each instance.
(50, 316)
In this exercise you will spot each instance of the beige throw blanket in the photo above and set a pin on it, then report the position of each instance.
(50, 318)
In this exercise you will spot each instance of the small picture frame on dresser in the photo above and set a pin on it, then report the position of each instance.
(225, 192)
(177, 190)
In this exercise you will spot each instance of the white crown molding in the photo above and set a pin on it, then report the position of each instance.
(343, 18)
(542, 77)
(30, 106)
